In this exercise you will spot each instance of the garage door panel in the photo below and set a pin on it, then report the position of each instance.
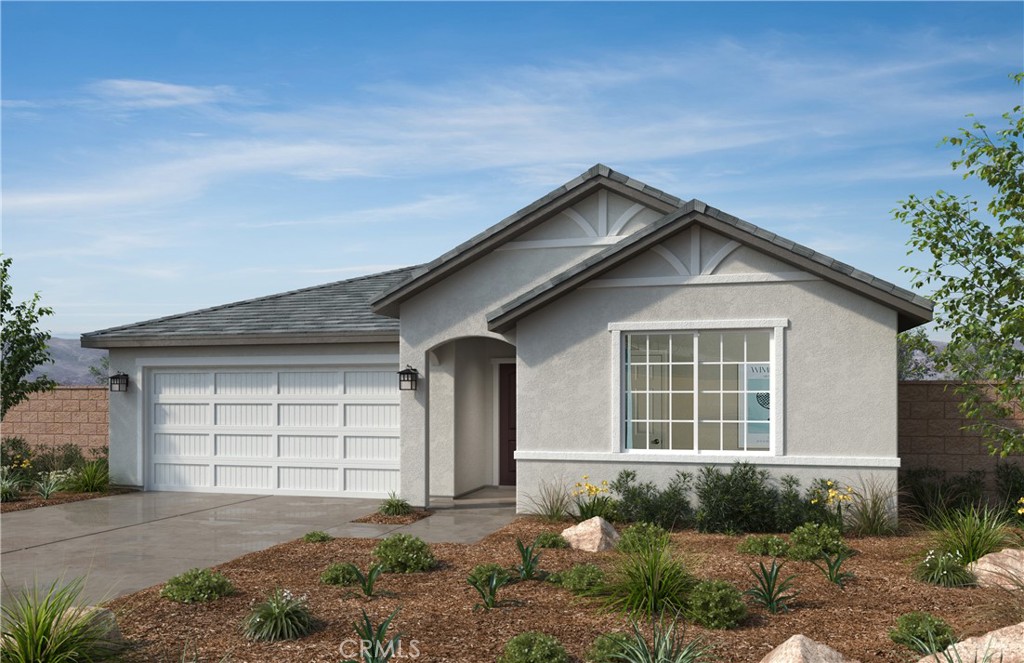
(181, 384)
(181, 475)
(244, 446)
(308, 415)
(274, 429)
(311, 447)
(367, 480)
(244, 415)
(243, 476)
(181, 444)
(319, 479)
(370, 383)
(362, 415)
(181, 414)
(309, 383)
(371, 448)
(244, 384)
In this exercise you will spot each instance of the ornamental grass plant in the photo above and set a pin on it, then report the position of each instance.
(44, 626)
(648, 582)
(972, 531)
(552, 503)
(282, 616)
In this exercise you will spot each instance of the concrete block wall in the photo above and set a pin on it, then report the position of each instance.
(931, 433)
(76, 415)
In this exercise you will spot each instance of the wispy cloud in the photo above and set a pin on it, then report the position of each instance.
(132, 94)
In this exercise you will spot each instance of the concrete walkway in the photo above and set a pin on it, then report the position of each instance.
(124, 543)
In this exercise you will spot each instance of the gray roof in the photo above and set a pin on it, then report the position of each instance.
(335, 312)
(913, 310)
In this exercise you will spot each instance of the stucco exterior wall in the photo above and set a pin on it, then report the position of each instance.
(126, 417)
(838, 369)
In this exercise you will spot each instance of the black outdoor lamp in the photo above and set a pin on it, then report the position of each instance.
(407, 378)
(119, 382)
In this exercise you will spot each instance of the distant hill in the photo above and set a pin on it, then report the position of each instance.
(71, 362)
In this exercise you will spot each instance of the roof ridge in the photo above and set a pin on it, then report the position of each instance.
(221, 307)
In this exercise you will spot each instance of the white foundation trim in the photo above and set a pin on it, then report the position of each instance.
(670, 458)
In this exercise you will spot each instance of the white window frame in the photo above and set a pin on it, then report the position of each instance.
(776, 358)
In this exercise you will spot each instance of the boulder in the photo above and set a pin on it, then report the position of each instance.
(1005, 645)
(801, 649)
(592, 535)
(1000, 569)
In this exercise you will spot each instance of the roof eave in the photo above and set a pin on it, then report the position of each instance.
(195, 340)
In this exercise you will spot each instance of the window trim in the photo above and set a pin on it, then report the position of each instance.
(776, 358)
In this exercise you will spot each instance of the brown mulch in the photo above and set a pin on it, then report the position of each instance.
(407, 519)
(32, 501)
(436, 609)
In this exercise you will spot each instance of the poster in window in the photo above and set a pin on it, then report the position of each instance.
(758, 388)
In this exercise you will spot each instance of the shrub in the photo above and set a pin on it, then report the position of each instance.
(197, 586)
(46, 627)
(764, 544)
(10, 485)
(793, 510)
(716, 604)
(339, 574)
(403, 553)
(943, 568)
(550, 540)
(282, 616)
(648, 582)
(665, 645)
(643, 535)
(972, 532)
(16, 457)
(808, 541)
(922, 632)
(771, 590)
(394, 506)
(56, 458)
(317, 536)
(608, 648)
(644, 502)
(741, 501)
(930, 491)
(482, 571)
(1010, 487)
(92, 477)
(582, 578)
(872, 511)
(533, 647)
(552, 503)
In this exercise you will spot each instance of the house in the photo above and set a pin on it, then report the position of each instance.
(607, 325)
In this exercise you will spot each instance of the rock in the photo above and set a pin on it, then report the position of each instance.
(108, 630)
(801, 649)
(592, 535)
(1005, 645)
(1000, 569)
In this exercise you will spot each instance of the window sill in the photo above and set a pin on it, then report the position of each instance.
(689, 458)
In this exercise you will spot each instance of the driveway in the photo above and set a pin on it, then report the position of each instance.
(124, 543)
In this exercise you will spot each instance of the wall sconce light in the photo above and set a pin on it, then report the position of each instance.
(407, 378)
(119, 382)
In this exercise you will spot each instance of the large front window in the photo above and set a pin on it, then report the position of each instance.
(707, 391)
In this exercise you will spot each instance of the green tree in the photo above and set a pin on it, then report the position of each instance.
(101, 374)
(977, 274)
(912, 355)
(24, 344)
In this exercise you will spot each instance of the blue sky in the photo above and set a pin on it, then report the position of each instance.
(162, 157)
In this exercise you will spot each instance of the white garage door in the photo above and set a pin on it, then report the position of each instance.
(287, 431)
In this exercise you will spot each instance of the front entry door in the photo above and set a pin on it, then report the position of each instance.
(506, 424)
